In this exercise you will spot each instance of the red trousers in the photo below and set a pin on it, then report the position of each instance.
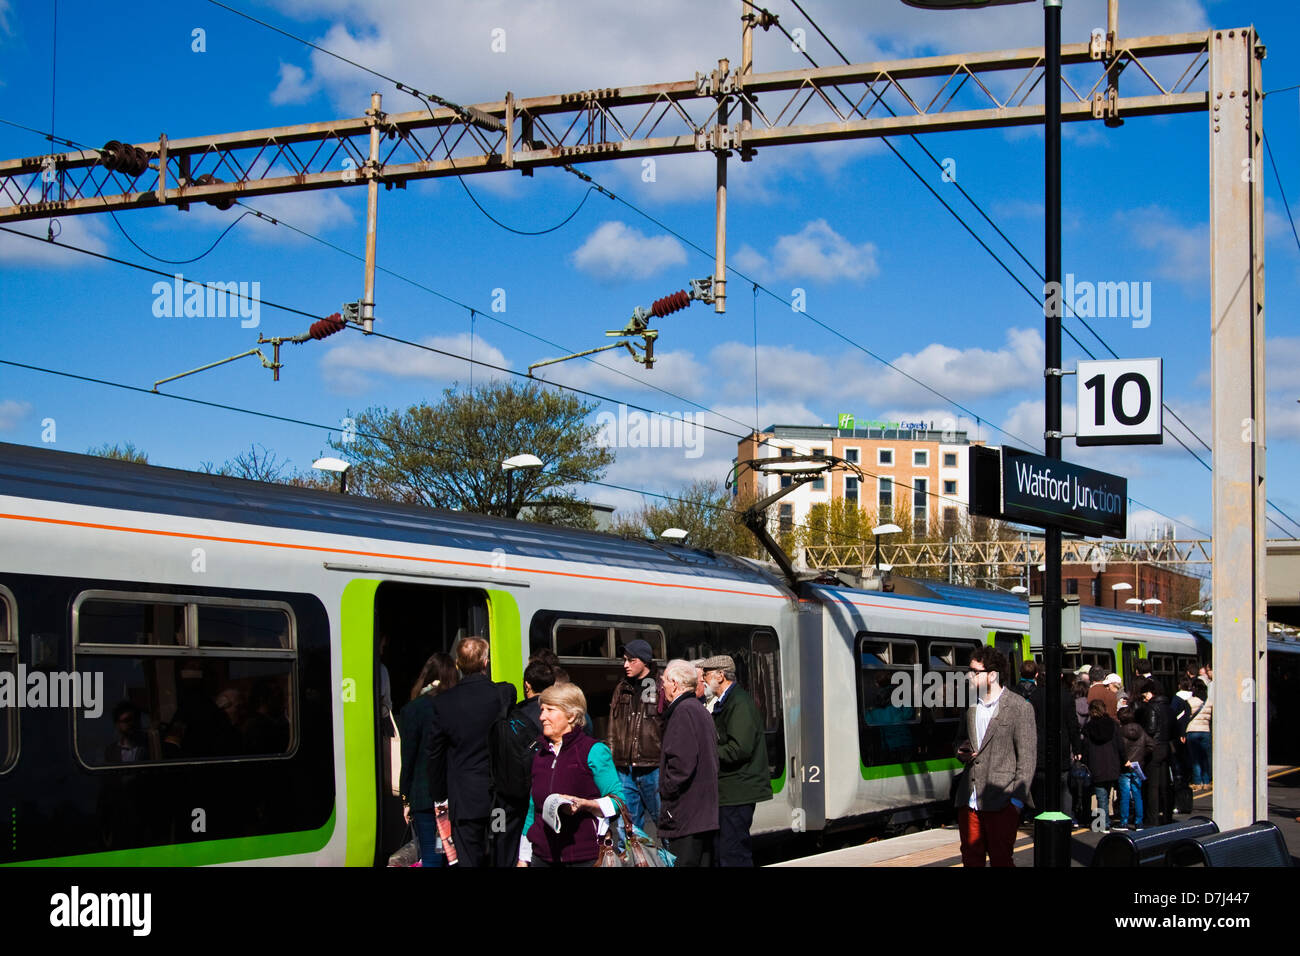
(988, 831)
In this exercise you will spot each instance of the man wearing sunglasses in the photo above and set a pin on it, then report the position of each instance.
(1000, 752)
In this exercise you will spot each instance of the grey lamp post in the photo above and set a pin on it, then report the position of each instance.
(1051, 828)
(876, 532)
(337, 466)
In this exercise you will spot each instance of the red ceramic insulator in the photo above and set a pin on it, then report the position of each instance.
(670, 304)
(326, 326)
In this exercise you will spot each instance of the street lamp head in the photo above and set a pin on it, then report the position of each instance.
(1122, 586)
(1133, 601)
(673, 534)
(521, 461)
(1020, 589)
(336, 465)
(1153, 601)
(886, 529)
(1199, 613)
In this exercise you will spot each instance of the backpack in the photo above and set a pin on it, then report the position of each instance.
(512, 745)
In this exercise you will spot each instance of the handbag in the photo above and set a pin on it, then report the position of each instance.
(1080, 775)
(638, 850)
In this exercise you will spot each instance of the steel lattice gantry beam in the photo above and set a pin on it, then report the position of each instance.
(964, 91)
(1013, 552)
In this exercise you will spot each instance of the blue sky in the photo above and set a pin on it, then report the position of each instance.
(877, 257)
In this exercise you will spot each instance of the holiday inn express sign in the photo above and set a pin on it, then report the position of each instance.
(1015, 485)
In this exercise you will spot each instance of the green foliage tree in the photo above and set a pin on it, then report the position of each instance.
(703, 509)
(125, 452)
(449, 455)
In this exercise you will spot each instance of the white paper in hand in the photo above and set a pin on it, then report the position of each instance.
(551, 810)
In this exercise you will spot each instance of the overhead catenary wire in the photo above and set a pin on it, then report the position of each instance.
(1016, 249)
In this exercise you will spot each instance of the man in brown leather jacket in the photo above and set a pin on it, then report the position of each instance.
(636, 729)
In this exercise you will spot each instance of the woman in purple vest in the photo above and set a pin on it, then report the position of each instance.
(579, 769)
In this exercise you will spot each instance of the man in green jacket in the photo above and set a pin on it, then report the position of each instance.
(743, 776)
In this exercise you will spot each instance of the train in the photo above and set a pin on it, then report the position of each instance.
(207, 653)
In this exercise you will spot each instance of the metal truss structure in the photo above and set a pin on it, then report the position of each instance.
(964, 91)
(1013, 553)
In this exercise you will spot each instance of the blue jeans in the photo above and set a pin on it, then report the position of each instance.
(641, 791)
(1130, 788)
(1103, 802)
(1198, 748)
(425, 826)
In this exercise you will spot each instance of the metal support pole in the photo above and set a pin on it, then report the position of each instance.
(372, 214)
(720, 213)
(746, 70)
(1052, 827)
(1237, 385)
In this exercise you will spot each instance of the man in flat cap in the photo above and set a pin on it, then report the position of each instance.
(744, 778)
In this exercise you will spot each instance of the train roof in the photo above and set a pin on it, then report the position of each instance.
(48, 475)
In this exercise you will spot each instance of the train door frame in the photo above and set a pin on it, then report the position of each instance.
(1015, 644)
(1126, 659)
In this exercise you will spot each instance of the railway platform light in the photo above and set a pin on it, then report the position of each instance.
(509, 467)
(1137, 602)
(878, 532)
(674, 534)
(1151, 602)
(337, 466)
(1020, 589)
(1116, 588)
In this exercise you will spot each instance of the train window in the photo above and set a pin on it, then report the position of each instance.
(132, 622)
(889, 710)
(574, 640)
(951, 662)
(242, 627)
(185, 679)
(9, 676)
(653, 637)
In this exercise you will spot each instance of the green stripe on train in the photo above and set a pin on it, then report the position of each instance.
(908, 769)
(206, 853)
(505, 642)
(358, 702)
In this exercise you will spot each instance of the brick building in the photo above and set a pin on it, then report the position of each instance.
(1177, 592)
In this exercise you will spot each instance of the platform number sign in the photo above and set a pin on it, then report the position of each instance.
(1120, 402)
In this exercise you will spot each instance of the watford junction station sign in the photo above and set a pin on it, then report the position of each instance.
(1015, 485)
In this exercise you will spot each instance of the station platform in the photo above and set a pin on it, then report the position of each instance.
(941, 847)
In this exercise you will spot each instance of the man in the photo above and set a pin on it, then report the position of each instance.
(457, 751)
(702, 691)
(512, 762)
(1101, 690)
(688, 771)
(744, 778)
(1153, 714)
(1028, 679)
(1000, 752)
(1141, 674)
(635, 728)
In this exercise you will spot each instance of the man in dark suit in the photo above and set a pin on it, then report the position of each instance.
(457, 751)
(1001, 753)
(688, 770)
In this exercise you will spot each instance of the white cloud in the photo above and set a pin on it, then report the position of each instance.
(12, 412)
(293, 86)
(1182, 252)
(85, 232)
(616, 251)
(351, 367)
(314, 212)
(609, 372)
(815, 252)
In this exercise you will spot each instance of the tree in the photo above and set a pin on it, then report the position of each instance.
(258, 463)
(449, 455)
(127, 452)
(703, 509)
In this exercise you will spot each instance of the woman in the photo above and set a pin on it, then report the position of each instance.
(1138, 748)
(1103, 752)
(572, 764)
(1198, 736)
(437, 675)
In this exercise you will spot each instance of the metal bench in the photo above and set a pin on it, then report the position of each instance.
(1148, 847)
(1259, 844)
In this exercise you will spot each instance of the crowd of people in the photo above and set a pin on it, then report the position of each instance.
(488, 780)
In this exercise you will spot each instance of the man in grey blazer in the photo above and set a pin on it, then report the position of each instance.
(1000, 752)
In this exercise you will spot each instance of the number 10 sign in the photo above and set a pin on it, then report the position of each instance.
(1120, 402)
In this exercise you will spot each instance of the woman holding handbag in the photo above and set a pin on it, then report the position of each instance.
(575, 786)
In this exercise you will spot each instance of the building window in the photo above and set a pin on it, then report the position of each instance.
(1072, 586)
(885, 456)
(950, 459)
(1096, 592)
(851, 455)
(885, 499)
(819, 484)
(919, 506)
(851, 490)
(950, 487)
(786, 479)
(920, 458)
(786, 518)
